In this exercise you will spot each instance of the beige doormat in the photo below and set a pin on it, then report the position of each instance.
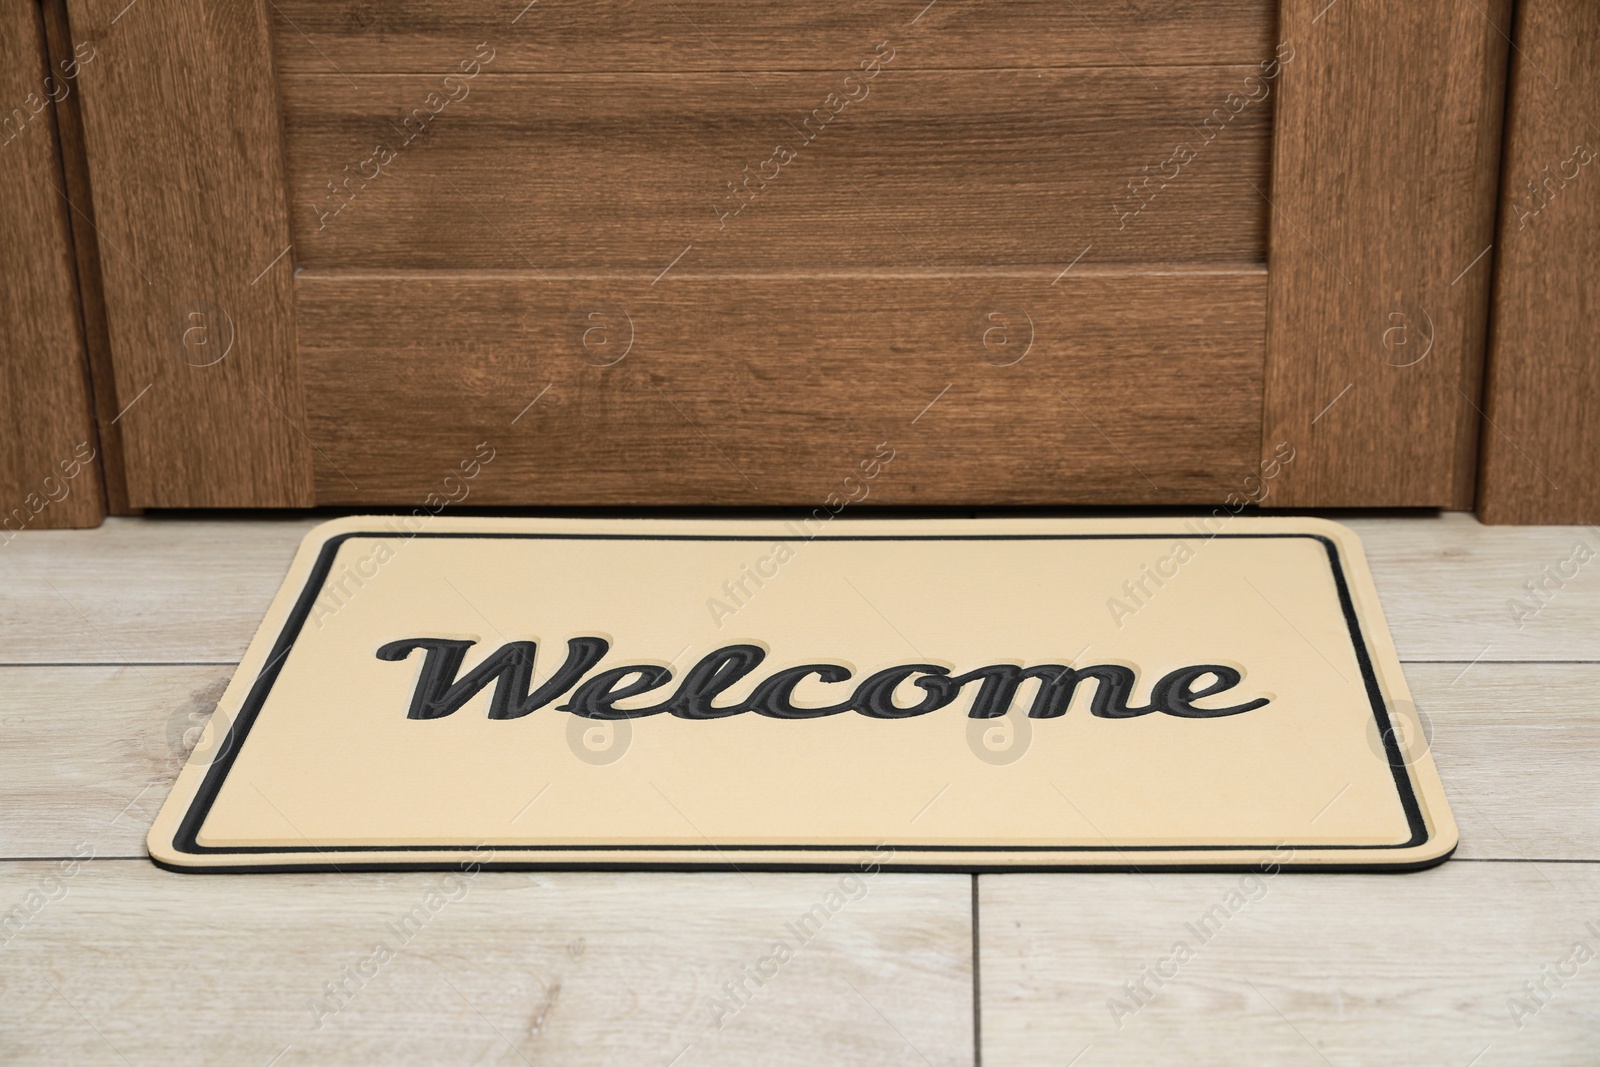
(989, 695)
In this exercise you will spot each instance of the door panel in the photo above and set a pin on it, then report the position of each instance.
(801, 232)
(988, 388)
(608, 172)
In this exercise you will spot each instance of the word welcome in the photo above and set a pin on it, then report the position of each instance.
(442, 689)
(412, 126)
(832, 106)
(1142, 190)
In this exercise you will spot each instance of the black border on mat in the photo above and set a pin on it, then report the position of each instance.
(185, 839)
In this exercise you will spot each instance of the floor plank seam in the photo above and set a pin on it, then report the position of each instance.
(977, 988)
(139, 663)
(1500, 662)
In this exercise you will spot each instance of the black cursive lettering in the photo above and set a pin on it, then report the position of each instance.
(442, 689)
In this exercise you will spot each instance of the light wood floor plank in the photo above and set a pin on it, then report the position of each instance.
(141, 590)
(1292, 969)
(1449, 587)
(1516, 746)
(129, 964)
(87, 754)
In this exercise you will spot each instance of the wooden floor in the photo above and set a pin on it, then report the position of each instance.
(115, 643)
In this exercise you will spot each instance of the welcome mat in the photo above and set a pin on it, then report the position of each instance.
(934, 695)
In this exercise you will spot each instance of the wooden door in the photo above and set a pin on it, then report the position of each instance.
(704, 252)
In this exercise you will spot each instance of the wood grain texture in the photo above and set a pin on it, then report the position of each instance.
(141, 590)
(48, 470)
(1505, 736)
(182, 590)
(184, 142)
(1453, 589)
(1306, 969)
(958, 169)
(89, 753)
(64, 50)
(1383, 193)
(772, 389)
(1542, 397)
(494, 968)
(356, 36)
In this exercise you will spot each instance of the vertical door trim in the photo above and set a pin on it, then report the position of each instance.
(1385, 169)
(1542, 402)
(49, 469)
(185, 149)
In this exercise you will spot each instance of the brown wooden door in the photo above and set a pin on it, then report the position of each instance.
(695, 251)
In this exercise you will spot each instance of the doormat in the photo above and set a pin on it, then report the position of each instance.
(952, 695)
